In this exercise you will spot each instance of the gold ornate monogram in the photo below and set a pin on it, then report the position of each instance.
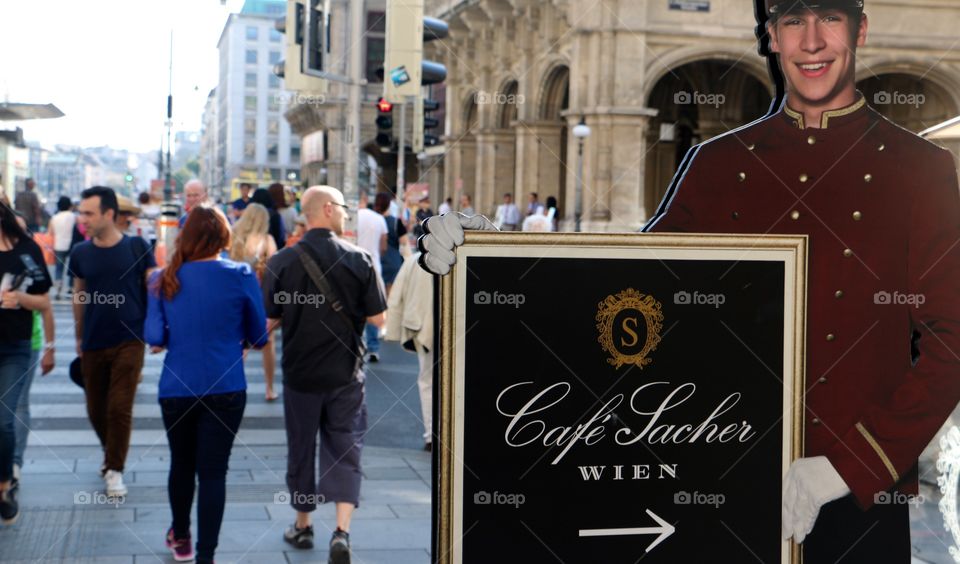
(652, 313)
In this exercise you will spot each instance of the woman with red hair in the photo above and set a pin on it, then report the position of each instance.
(204, 310)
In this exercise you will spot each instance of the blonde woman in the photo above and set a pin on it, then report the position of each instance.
(253, 245)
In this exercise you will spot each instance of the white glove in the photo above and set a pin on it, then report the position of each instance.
(442, 235)
(810, 483)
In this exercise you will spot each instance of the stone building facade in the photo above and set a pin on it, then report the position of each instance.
(650, 79)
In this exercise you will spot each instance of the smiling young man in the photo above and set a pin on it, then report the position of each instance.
(881, 208)
(882, 211)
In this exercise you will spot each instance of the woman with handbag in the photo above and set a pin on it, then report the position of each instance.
(253, 244)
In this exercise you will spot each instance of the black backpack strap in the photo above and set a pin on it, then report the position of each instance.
(320, 281)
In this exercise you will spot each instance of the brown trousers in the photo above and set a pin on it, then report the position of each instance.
(110, 378)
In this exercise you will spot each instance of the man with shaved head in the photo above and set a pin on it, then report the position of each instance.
(323, 290)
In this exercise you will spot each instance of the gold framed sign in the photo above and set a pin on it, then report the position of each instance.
(608, 397)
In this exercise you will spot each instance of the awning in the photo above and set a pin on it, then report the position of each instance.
(17, 112)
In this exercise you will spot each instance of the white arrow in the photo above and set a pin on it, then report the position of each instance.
(664, 530)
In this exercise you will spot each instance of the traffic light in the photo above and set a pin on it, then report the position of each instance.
(430, 123)
(407, 30)
(307, 32)
(384, 125)
(422, 123)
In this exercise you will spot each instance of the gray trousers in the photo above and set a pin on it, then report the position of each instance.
(340, 417)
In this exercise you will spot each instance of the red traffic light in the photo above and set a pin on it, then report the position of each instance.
(384, 106)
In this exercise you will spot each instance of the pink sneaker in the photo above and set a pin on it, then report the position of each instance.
(182, 549)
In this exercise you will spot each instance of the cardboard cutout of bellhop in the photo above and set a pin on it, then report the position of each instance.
(881, 207)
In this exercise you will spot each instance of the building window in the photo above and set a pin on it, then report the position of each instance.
(275, 35)
(251, 56)
(251, 33)
(273, 81)
(294, 154)
(276, 174)
(249, 150)
(250, 126)
(273, 150)
(274, 57)
(250, 80)
(376, 22)
(273, 126)
(375, 42)
(375, 47)
(273, 104)
(250, 103)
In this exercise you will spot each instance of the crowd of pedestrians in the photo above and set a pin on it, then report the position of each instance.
(233, 278)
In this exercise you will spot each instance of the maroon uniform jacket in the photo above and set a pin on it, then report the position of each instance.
(881, 208)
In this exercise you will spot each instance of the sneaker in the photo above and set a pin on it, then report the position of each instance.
(9, 508)
(114, 481)
(182, 549)
(299, 538)
(373, 357)
(339, 548)
(16, 471)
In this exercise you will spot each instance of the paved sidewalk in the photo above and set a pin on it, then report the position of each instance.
(66, 517)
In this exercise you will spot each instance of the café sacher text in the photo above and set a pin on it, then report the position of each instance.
(654, 402)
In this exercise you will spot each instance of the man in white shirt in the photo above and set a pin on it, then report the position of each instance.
(60, 229)
(446, 206)
(371, 237)
(508, 215)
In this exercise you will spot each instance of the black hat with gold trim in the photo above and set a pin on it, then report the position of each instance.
(783, 6)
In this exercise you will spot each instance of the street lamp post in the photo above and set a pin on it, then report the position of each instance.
(581, 131)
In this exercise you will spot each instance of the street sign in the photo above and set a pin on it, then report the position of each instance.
(690, 5)
(607, 398)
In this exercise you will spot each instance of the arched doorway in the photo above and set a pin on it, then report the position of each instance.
(465, 177)
(910, 101)
(696, 101)
(553, 134)
(504, 140)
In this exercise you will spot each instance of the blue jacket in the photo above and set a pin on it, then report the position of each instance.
(205, 327)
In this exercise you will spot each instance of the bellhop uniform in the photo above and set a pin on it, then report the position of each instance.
(881, 208)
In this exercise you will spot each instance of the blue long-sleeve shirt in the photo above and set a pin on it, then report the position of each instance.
(205, 326)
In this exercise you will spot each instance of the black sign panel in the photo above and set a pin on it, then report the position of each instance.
(612, 403)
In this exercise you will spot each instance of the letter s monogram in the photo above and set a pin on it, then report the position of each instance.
(631, 332)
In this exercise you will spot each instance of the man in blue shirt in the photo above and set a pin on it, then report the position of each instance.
(240, 204)
(109, 307)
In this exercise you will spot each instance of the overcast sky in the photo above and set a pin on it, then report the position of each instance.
(104, 63)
